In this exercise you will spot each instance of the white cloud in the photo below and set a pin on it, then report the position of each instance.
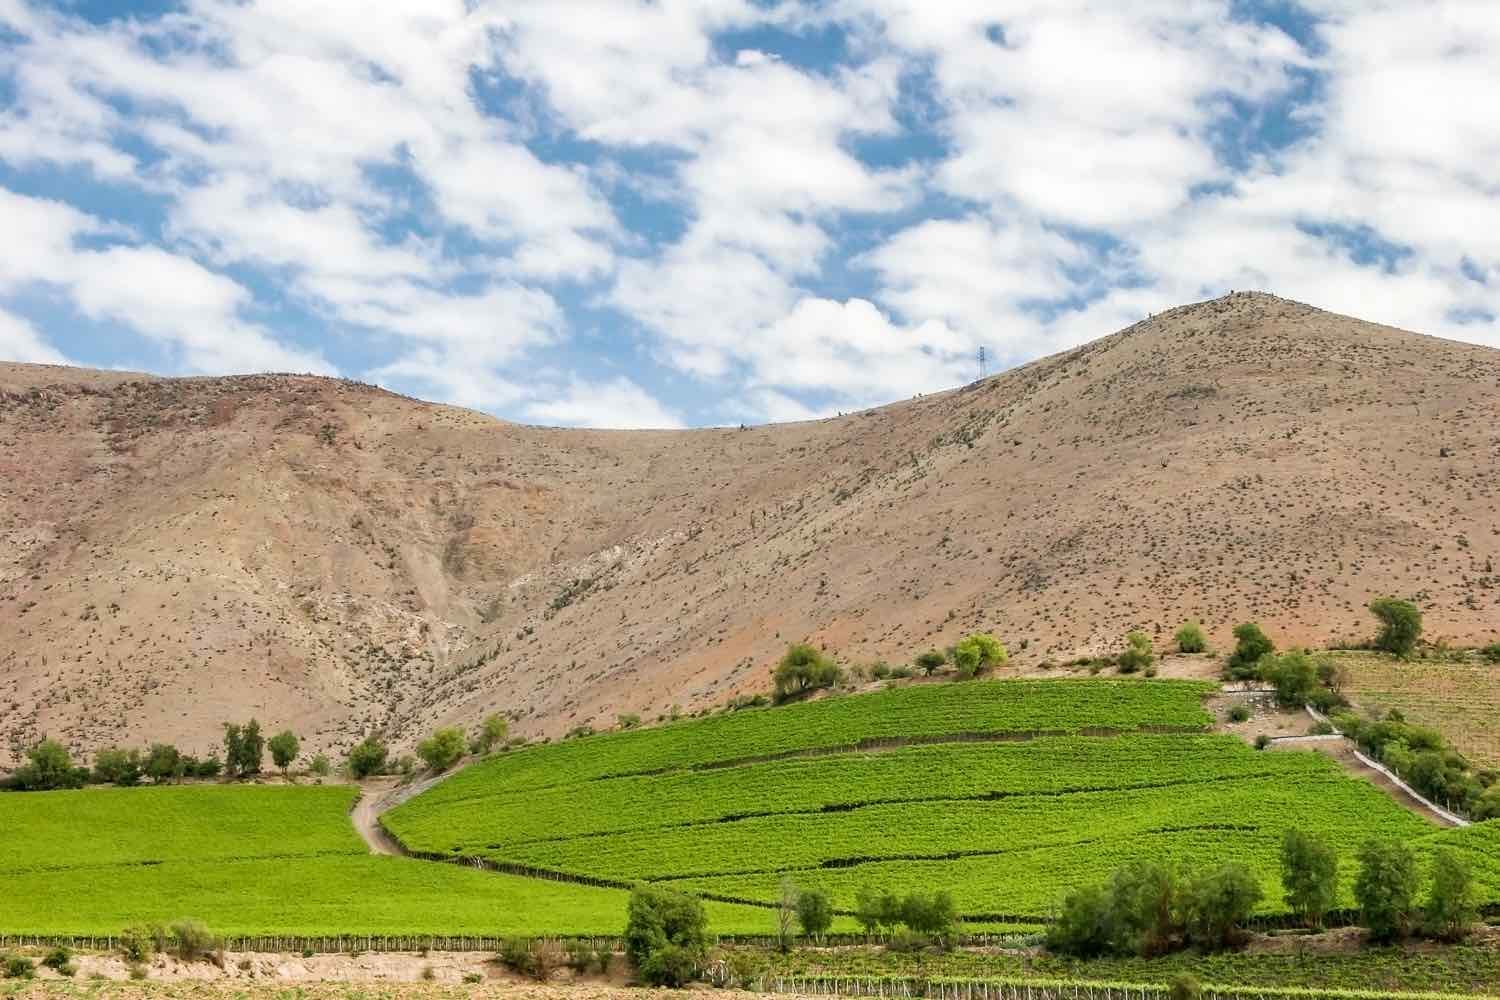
(615, 403)
(19, 341)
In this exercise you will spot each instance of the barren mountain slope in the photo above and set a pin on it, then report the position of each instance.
(329, 556)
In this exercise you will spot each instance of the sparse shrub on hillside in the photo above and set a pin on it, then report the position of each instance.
(1137, 654)
(1452, 905)
(1239, 713)
(814, 912)
(116, 766)
(666, 936)
(1250, 645)
(208, 767)
(1386, 889)
(320, 766)
(284, 749)
(492, 733)
(932, 661)
(367, 758)
(978, 653)
(801, 670)
(1190, 638)
(628, 720)
(442, 749)
(1400, 625)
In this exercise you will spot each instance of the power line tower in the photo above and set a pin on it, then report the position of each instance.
(984, 367)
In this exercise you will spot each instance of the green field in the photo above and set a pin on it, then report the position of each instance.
(1007, 827)
(252, 860)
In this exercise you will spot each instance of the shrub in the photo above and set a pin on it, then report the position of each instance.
(1250, 645)
(1218, 903)
(492, 733)
(138, 971)
(1085, 927)
(19, 967)
(57, 958)
(1262, 741)
(1184, 986)
(977, 653)
(1138, 654)
(1386, 888)
(801, 670)
(814, 912)
(442, 749)
(284, 748)
(628, 720)
(1451, 908)
(1190, 638)
(1293, 675)
(118, 767)
(666, 935)
(367, 757)
(1491, 652)
(428, 973)
(932, 660)
(1400, 625)
(320, 765)
(191, 940)
(1239, 713)
(140, 941)
(906, 941)
(473, 977)
(48, 766)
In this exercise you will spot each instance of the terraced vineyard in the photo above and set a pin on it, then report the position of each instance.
(1007, 827)
(252, 860)
(1460, 698)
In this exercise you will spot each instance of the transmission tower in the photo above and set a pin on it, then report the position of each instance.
(984, 367)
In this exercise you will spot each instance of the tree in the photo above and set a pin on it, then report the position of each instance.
(442, 749)
(1085, 927)
(1146, 910)
(876, 910)
(978, 652)
(492, 733)
(163, 762)
(1190, 638)
(933, 915)
(243, 749)
(930, 661)
(116, 766)
(1292, 674)
(1138, 654)
(801, 670)
(367, 757)
(1218, 903)
(1386, 888)
(284, 749)
(1250, 645)
(666, 935)
(814, 912)
(1400, 625)
(48, 766)
(786, 913)
(1309, 874)
(1451, 908)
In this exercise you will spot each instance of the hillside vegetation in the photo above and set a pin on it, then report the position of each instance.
(338, 560)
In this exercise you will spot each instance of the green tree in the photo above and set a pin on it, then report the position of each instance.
(48, 766)
(1146, 908)
(244, 747)
(1250, 645)
(666, 935)
(320, 765)
(801, 670)
(442, 749)
(163, 762)
(367, 757)
(1386, 888)
(875, 909)
(116, 766)
(284, 749)
(930, 662)
(1085, 927)
(933, 915)
(1138, 654)
(1218, 903)
(814, 912)
(1452, 907)
(1190, 638)
(977, 653)
(492, 733)
(1292, 674)
(1309, 875)
(1400, 625)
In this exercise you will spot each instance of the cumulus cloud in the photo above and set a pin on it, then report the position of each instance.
(19, 341)
(616, 403)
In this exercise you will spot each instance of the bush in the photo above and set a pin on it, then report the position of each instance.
(666, 935)
(191, 940)
(934, 916)
(1138, 654)
(442, 749)
(1386, 889)
(907, 941)
(1400, 625)
(492, 733)
(538, 960)
(1239, 713)
(978, 653)
(1262, 741)
(19, 967)
(1190, 638)
(57, 958)
(1085, 927)
(48, 766)
(118, 767)
(1293, 674)
(1184, 986)
(320, 765)
(1250, 645)
(367, 757)
(140, 941)
(932, 661)
(1491, 652)
(1217, 905)
(1452, 908)
(801, 670)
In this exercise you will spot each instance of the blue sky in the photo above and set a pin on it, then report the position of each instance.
(723, 211)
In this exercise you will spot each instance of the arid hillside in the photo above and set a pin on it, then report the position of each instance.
(339, 559)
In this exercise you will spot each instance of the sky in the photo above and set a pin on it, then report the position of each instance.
(662, 214)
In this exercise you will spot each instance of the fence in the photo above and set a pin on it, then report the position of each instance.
(1044, 989)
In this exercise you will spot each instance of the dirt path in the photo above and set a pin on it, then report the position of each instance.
(374, 796)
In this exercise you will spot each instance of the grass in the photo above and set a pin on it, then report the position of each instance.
(1461, 699)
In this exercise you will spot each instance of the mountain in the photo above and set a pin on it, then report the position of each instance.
(335, 558)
